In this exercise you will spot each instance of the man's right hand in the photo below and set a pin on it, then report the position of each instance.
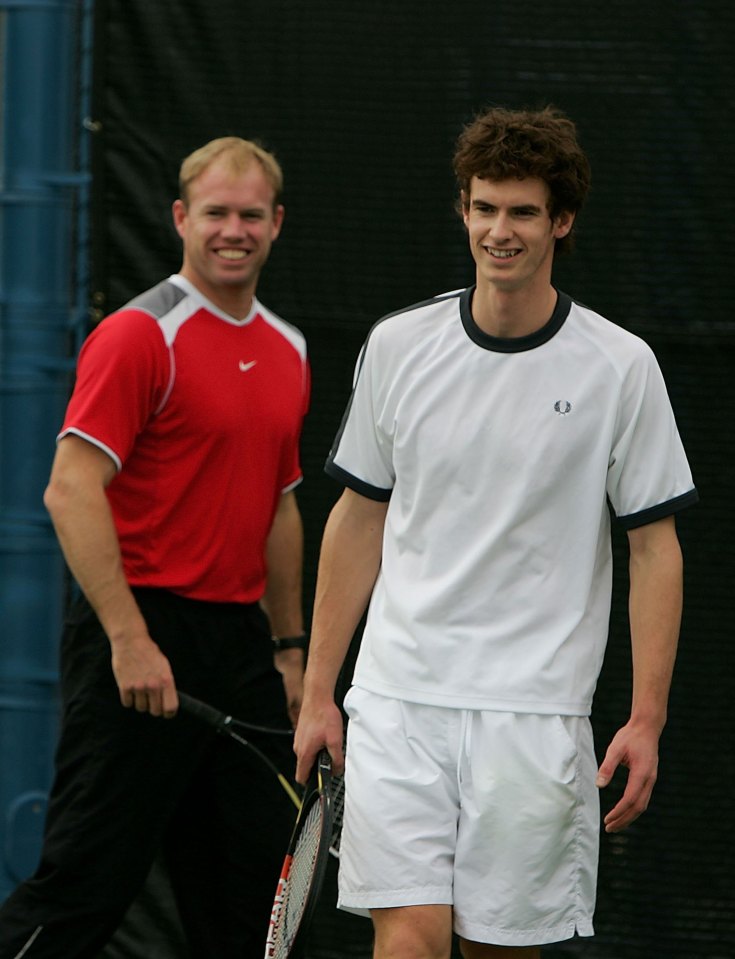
(77, 502)
(319, 726)
(144, 677)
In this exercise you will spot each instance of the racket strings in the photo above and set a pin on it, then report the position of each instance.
(338, 809)
(300, 878)
(338, 806)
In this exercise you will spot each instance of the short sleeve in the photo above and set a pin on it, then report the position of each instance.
(648, 476)
(362, 454)
(123, 375)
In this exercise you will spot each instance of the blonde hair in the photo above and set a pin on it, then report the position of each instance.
(239, 155)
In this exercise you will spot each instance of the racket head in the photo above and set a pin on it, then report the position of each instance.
(302, 875)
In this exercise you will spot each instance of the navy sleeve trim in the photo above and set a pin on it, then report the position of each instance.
(376, 493)
(634, 520)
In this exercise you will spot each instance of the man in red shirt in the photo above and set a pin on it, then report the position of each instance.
(172, 495)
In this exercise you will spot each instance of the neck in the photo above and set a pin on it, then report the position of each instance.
(237, 306)
(512, 313)
(236, 301)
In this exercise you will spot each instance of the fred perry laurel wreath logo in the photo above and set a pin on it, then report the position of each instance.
(562, 407)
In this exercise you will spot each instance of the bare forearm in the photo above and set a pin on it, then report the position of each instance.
(656, 588)
(348, 567)
(77, 503)
(88, 539)
(655, 614)
(282, 600)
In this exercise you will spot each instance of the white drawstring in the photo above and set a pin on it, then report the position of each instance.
(30, 942)
(465, 740)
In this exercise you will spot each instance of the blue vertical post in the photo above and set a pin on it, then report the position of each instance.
(40, 192)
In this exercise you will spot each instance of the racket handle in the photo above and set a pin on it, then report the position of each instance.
(205, 712)
(323, 770)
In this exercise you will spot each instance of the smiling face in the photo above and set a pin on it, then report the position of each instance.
(511, 233)
(227, 225)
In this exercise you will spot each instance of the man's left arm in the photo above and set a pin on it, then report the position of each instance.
(282, 600)
(655, 603)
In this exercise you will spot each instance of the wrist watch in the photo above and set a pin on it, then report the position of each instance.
(290, 642)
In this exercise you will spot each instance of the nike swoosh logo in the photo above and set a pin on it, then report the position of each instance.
(244, 367)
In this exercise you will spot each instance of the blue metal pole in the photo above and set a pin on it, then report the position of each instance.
(39, 198)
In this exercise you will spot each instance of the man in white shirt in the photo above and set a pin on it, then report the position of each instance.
(487, 432)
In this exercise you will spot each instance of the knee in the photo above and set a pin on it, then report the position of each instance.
(411, 944)
(481, 950)
(413, 932)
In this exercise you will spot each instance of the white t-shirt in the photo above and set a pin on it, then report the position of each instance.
(499, 457)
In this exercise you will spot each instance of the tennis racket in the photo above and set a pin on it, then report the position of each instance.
(234, 728)
(303, 869)
(338, 808)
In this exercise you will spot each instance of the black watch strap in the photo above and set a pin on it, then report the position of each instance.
(290, 642)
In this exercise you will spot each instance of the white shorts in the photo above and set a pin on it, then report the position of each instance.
(493, 813)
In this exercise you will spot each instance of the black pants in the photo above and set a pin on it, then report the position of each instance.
(129, 785)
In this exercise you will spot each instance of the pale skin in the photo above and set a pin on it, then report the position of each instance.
(348, 567)
(80, 511)
(514, 297)
(227, 224)
(282, 599)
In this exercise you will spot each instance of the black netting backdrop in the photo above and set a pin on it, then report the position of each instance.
(362, 102)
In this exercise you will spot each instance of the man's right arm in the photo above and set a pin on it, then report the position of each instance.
(78, 505)
(348, 567)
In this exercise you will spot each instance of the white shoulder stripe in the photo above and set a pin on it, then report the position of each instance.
(291, 486)
(294, 336)
(172, 322)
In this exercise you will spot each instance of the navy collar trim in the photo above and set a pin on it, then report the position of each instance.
(513, 344)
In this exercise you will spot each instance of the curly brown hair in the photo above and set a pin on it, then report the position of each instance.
(502, 144)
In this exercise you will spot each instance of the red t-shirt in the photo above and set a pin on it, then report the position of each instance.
(202, 415)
